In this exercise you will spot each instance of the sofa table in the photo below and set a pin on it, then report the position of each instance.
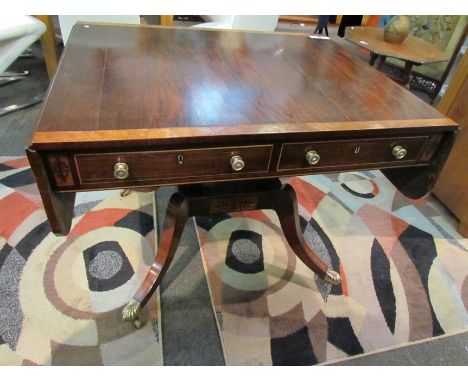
(223, 115)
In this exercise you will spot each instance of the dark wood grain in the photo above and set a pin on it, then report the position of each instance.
(94, 170)
(418, 182)
(155, 78)
(349, 152)
(177, 214)
(105, 139)
(58, 206)
(183, 163)
(146, 96)
(142, 95)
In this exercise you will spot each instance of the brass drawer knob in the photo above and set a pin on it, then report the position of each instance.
(237, 163)
(121, 170)
(312, 157)
(399, 152)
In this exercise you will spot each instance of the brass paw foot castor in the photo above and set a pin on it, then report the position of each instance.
(126, 192)
(333, 277)
(131, 312)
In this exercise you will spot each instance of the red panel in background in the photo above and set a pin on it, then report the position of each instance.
(373, 21)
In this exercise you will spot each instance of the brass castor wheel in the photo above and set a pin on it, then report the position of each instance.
(125, 192)
(333, 277)
(137, 323)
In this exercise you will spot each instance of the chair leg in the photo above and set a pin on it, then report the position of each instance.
(28, 53)
(24, 73)
(7, 78)
(12, 108)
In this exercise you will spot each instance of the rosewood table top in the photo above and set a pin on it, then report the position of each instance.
(223, 115)
(153, 84)
(140, 106)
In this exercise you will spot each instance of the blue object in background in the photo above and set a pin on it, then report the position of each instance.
(384, 20)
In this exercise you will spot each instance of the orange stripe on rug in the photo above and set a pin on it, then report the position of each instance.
(17, 163)
(383, 225)
(15, 209)
(97, 219)
(308, 196)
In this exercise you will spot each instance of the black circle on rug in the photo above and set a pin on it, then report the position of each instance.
(107, 266)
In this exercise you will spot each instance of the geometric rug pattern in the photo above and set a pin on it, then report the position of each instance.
(61, 297)
(404, 272)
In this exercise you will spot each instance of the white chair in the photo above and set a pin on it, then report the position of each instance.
(17, 33)
(253, 23)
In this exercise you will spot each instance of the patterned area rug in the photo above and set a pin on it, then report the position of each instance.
(61, 297)
(404, 273)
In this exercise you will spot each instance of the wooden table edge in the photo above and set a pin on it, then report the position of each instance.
(44, 139)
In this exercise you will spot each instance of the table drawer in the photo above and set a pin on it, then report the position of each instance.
(350, 152)
(167, 164)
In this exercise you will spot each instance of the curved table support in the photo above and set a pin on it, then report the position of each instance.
(174, 223)
(207, 199)
(286, 209)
